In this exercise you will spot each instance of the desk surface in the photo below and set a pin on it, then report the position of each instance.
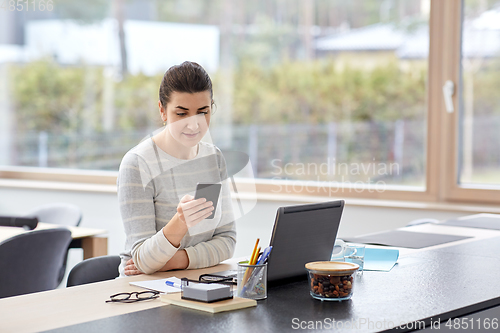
(442, 281)
(62, 307)
(424, 285)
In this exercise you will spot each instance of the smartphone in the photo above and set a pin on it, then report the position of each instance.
(210, 192)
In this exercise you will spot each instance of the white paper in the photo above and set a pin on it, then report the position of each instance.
(159, 285)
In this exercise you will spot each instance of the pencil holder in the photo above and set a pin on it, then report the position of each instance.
(252, 281)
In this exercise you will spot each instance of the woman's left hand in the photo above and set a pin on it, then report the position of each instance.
(130, 268)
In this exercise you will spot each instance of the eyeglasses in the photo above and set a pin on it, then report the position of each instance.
(209, 278)
(139, 296)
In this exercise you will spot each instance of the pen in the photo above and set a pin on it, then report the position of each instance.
(173, 284)
(264, 255)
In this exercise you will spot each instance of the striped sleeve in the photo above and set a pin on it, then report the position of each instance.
(149, 248)
(212, 252)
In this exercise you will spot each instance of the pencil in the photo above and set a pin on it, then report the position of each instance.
(254, 259)
(245, 277)
(254, 249)
(250, 270)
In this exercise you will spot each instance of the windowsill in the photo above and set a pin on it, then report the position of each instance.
(269, 197)
(55, 175)
(418, 205)
(56, 186)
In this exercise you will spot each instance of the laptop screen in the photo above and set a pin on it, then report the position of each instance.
(301, 234)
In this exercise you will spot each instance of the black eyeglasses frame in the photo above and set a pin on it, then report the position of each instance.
(154, 294)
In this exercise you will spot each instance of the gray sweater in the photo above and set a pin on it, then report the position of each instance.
(150, 186)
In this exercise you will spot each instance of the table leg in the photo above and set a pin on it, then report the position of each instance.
(94, 247)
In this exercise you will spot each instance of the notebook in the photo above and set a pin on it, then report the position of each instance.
(159, 285)
(221, 306)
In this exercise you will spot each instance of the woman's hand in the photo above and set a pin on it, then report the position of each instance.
(189, 213)
(130, 268)
(192, 212)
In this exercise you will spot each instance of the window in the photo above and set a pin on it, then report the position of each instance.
(468, 174)
(479, 122)
(327, 97)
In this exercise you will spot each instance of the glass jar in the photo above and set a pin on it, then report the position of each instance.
(330, 280)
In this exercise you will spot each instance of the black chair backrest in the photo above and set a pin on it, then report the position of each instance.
(58, 213)
(31, 261)
(94, 270)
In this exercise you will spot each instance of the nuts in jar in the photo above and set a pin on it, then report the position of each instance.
(330, 280)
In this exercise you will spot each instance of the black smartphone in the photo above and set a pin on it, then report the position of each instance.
(210, 192)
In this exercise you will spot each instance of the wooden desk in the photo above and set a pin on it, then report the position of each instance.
(442, 281)
(82, 237)
(62, 307)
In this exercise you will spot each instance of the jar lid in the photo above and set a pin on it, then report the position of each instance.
(332, 266)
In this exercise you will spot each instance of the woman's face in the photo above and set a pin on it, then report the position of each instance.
(188, 116)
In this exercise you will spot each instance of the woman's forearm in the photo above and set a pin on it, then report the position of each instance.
(175, 230)
(180, 260)
(211, 252)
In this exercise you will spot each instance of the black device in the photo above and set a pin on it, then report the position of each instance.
(28, 223)
(210, 192)
(302, 234)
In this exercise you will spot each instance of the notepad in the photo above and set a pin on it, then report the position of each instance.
(210, 292)
(380, 259)
(221, 306)
(159, 285)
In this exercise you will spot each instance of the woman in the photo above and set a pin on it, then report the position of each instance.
(165, 227)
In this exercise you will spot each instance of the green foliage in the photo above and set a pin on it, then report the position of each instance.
(486, 83)
(473, 8)
(47, 97)
(50, 97)
(189, 11)
(136, 101)
(318, 92)
(57, 99)
(269, 44)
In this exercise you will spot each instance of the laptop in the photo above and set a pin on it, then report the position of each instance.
(301, 234)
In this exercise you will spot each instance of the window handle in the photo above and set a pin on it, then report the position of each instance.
(448, 91)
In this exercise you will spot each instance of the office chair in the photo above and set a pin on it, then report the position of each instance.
(94, 270)
(31, 261)
(58, 213)
(62, 214)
